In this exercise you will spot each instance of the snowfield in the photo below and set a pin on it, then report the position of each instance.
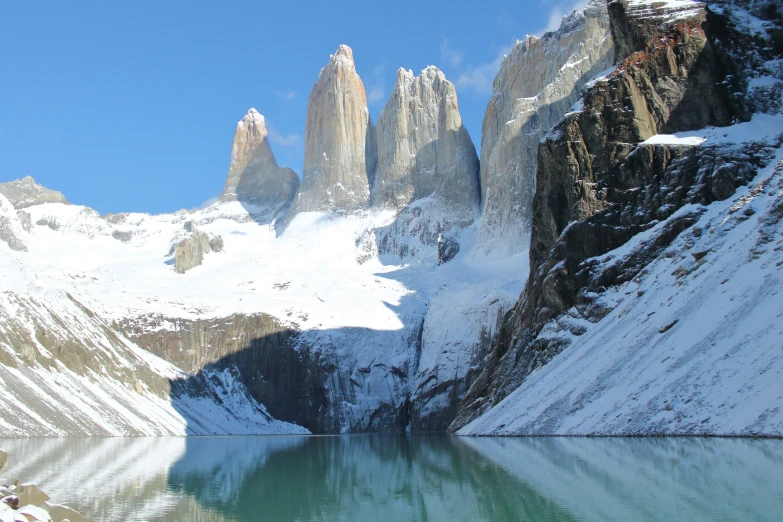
(316, 278)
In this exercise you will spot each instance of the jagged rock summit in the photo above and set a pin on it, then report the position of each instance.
(26, 192)
(538, 82)
(423, 148)
(254, 176)
(340, 153)
(428, 169)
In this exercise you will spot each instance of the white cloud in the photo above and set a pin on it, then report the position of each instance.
(448, 53)
(289, 140)
(285, 95)
(480, 77)
(375, 91)
(557, 13)
(375, 94)
(207, 203)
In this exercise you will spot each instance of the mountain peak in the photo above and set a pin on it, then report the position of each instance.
(26, 192)
(254, 176)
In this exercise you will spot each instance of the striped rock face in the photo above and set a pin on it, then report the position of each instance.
(340, 154)
(538, 83)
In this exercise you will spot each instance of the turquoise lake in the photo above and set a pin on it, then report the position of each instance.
(377, 477)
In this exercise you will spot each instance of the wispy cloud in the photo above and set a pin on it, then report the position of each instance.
(558, 11)
(286, 95)
(375, 94)
(287, 140)
(448, 54)
(210, 201)
(375, 91)
(479, 78)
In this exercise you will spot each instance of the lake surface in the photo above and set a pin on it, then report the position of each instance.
(406, 478)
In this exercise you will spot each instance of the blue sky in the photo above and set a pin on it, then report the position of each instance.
(131, 106)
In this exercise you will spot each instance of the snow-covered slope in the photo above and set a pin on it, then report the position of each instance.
(654, 304)
(65, 371)
(363, 315)
(693, 345)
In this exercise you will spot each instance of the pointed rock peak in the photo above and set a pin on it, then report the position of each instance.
(254, 176)
(424, 150)
(255, 117)
(344, 50)
(254, 123)
(404, 74)
(429, 75)
(404, 78)
(432, 70)
(28, 180)
(339, 156)
(342, 56)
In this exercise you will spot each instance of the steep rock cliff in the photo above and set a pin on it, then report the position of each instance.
(538, 82)
(602, 180)
(427, 165)
(340, 152)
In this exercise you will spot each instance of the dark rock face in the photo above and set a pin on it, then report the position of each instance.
(261, 352)
(598, 186)
(448, 248)
(301, 382)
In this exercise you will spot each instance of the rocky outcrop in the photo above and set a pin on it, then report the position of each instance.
(424, 150)
(13, 225)
(427, 165)
(598, 186)
(24, 501)
(538, 82)
(340, 152)
(189, 253)
(254, 176)
(26, 192)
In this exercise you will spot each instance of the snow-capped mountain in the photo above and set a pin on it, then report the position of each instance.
(387, 296)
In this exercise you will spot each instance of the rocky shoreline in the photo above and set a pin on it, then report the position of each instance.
(23, 502)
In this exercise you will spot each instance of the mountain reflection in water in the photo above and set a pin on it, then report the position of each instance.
(379, 477)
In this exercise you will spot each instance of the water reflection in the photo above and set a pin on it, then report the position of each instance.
(408, 478)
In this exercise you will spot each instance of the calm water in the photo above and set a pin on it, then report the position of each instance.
(407, 478)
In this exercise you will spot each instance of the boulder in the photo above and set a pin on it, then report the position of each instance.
(189, 253)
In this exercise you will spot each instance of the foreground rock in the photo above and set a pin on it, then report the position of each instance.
(538, 82)
(26, 192)
(19, 502)
(340, 153)
(254, 176)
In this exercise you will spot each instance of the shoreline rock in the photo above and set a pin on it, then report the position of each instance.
(29, 501)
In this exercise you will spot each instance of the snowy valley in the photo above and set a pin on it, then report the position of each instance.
(610, 263)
